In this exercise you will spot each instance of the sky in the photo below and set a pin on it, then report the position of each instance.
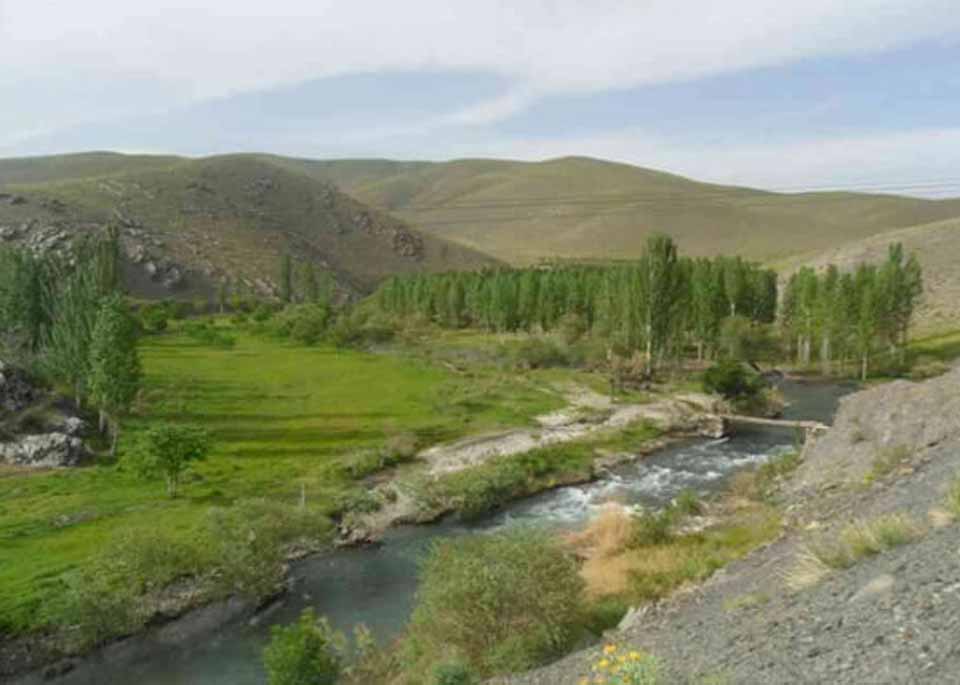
(781, 94)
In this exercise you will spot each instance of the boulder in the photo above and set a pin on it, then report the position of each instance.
(46, 450)
(16, 392)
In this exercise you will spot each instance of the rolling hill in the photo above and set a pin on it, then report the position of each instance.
(580, 207)
(189, 224)
(937, 246)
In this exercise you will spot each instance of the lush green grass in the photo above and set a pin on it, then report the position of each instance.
(283, 417)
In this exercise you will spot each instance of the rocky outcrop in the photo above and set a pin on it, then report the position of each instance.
(46, 450)
(16, 391)
(899, 418)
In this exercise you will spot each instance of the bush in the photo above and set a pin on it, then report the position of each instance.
(503, 603)
(307, 652)
(154, 318)
(453, 673)
(207, 334)
(733, 381)
(250, 541)
(653, 528)
(357, 329)
(621, 667)
(539, 353)
(95, 605)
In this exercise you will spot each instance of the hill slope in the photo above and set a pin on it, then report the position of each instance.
(579, 207)
(937, 246)
(188, 224)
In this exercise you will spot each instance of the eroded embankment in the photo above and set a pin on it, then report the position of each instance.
(862, 587)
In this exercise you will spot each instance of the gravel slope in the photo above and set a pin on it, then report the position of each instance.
(891, 618)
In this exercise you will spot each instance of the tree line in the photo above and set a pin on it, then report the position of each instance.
(664, 305)
(853, 316)
(64, 315)
(659, 304)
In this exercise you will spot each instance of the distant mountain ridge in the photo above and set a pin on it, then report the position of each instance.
(582, 207)
(368, 218)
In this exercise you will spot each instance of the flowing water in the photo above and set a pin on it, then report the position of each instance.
(376, 586)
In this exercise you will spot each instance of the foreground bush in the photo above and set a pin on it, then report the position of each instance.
(500, 603)
(304, 653)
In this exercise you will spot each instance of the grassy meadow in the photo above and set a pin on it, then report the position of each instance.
(283, 417)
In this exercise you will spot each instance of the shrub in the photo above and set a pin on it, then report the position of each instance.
(730, 379)
(95, 605)
(453, 673)
(621, 667)
(503, 602)
(154, 318)
(207, 334)
(307, 652)
(262, 313)
(854, 542)
(688, 503)
(652, 528)
(357, 329)
(250, 541)
(539, 353)
(886, 461)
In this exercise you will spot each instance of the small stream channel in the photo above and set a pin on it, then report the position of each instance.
(376, 586)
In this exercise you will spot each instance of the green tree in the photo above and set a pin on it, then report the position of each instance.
(168, 451)
(286, 278)
(223, 295)
(115, 370)
(310, 286)
(306, 652)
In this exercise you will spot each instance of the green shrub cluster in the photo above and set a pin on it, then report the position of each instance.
(206, 333)
(478, 491)
(499, 603)
(732, 380)
(307, 652)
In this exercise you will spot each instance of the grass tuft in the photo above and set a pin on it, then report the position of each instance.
(854, 542)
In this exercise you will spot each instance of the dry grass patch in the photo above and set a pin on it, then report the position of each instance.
(604, 536)
(886, 461)
(854, 542)
(647, 571)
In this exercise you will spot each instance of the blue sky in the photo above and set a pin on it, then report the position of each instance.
(863, 94)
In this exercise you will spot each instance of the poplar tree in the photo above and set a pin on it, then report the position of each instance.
(115, 370)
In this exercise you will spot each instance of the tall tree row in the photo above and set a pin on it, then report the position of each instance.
(657, 305)
(850, 318)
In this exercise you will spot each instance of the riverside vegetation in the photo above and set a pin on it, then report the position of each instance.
(301, 405)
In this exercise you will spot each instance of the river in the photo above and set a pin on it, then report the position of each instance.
(376, 585)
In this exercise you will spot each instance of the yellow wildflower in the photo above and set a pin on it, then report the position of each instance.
(609, 649)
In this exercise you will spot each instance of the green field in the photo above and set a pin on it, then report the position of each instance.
(283, 417)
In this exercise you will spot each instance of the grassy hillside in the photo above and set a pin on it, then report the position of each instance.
(83, 165)
(579, 207)
(937, 245)
(221, 217)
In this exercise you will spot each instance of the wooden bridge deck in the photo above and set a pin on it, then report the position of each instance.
(809, 426)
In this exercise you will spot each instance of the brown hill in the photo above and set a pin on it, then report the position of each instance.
(188, 224)
(580, 207)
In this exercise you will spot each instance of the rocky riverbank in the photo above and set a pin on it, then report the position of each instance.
(587, 415)
(891, 615)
